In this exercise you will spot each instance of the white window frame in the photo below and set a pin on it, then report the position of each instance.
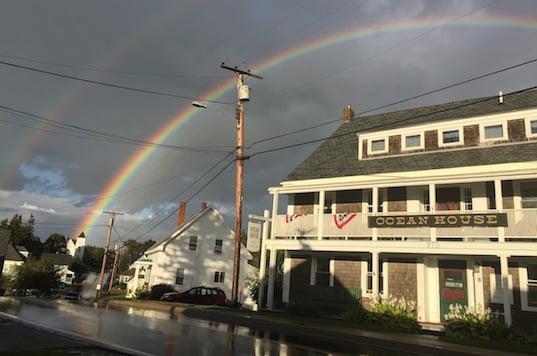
(190, 243)
(219, 277)
(183, 276)
(313, 270)
(528, 127)
(403, 142)
(505, 133)
(370, 144)
(445, 129)
(218, 250)
(523, 279)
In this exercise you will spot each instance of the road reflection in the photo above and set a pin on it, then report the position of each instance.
(157, 333)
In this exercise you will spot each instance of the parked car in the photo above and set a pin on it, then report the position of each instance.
(198, 295)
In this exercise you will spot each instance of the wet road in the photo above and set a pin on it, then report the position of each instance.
(156, 333)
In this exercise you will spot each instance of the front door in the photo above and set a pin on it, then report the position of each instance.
(453, 288)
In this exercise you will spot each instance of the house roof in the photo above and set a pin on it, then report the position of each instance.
(58, 259)
(189, 222)
(337, 157)
(13, 254)
(129, 272)
(21, 248)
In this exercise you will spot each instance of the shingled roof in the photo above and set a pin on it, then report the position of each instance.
(338, 156)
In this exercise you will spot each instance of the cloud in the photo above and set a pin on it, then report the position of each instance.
(27, 206)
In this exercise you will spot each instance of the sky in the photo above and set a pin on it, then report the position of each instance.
(177, 47)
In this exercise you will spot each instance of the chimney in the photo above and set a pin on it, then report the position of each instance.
(203, 205)
(181, 217)
(348, 114)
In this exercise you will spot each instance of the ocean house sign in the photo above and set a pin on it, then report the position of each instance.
(441, 220)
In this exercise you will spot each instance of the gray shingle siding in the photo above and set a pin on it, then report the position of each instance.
(338, 157)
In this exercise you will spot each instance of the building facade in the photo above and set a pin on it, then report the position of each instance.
(435, 204)
(198, 253)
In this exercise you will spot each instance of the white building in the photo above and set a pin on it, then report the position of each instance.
(76, 246)
(435, 204)
(13, 259)
(61, 262)
(198, 253)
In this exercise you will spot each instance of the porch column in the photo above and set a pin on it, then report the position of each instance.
(275, 198)
(504, 269)
(286, 277)
(263, 260)
(498, 196)
(432, 207)
(271, 278)
(375, 211)
(375, 270)
(320, 212)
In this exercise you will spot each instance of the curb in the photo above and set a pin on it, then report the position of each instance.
(74, 336)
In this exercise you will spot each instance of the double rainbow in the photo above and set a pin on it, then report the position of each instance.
(138, 158)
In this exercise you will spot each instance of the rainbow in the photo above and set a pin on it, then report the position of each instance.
(138, 158)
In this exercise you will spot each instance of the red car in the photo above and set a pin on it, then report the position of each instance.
(198, 295)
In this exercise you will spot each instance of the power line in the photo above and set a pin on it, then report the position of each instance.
(95, 134)
(93, 69)
(385, 125)
(434, 91)
(190, 198)
(216, 164)
(112, 85)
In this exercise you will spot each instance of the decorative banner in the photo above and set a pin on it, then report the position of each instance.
(290, 218)
(444, 220)
(254, 236)
(343, 219)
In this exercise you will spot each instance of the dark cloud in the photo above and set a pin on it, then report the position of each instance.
(46, 172)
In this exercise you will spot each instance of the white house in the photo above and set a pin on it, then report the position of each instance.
(61, 262)
(76, 246)
(13, 259)
(434, 204)
(198, 253)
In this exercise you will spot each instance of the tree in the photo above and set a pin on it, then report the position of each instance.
(133, 251)
(56, 243)
(22, 233)
(36, 274)
(93, 257)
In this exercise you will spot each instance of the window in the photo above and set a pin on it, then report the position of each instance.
(180, 276)
(193, 243)
(193, 291)
(531, 127)
(219, 277)
(378, 146)
(467, 199)
(450, 137)
(370, 201)
(322, 272)
(528, 192)
(413, 142)
(218, 247)
(381, 200)
(493, 132)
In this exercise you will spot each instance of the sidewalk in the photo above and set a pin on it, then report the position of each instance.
(331, 330)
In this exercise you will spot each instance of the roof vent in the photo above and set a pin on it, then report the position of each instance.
(500, 97)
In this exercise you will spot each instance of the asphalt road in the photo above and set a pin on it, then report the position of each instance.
(157, 334)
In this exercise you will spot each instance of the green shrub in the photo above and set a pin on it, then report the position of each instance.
(159, 289)
(36, 274)
(394, 314)
(142, 293)
(355, 312)
(252, 285)
(470, 324)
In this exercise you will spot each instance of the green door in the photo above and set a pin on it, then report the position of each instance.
(453, 289)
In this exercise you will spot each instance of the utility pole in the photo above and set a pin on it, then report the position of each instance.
(243, 94)
(117, 251)
(113, 215)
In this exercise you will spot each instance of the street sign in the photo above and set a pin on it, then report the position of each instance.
(254, 236)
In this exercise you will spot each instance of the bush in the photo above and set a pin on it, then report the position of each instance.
(252, 285)
(395, 314)
(159, 289)
(355, 312)
(467, 323)
(36, 274)
(142, 293)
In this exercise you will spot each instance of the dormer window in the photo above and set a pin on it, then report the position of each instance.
(378, 146)
(413, 142)
(450, 137)
(493, 132)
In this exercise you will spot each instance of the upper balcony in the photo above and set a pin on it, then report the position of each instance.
(477, 211)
